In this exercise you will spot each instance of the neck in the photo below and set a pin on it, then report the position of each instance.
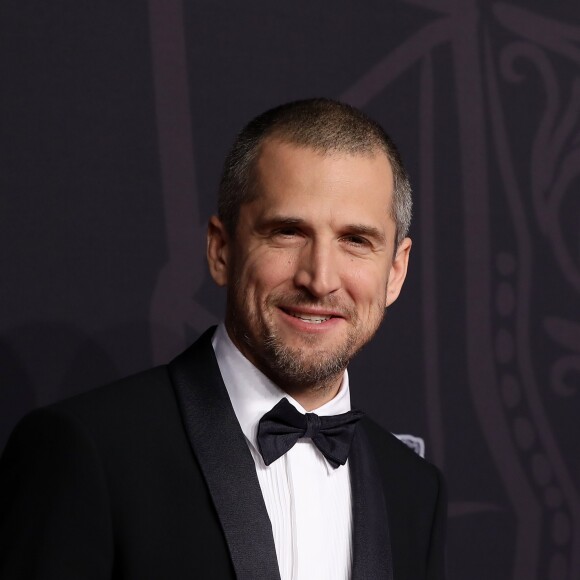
(313, 396)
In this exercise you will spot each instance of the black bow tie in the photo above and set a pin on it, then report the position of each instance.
(280, 428)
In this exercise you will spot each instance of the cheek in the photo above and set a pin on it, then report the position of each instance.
(367, 285)
(261, 274)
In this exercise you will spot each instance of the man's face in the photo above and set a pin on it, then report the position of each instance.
(310, 269)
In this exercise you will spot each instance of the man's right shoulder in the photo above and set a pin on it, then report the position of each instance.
(135, 392)
(129, 409)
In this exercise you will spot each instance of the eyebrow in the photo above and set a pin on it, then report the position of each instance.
(282, 220)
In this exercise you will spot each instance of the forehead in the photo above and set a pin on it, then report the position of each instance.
(289, 172)
(327, 194)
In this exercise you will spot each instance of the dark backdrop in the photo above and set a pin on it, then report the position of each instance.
(114, 120)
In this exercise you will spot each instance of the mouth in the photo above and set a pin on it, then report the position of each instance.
(310, 317)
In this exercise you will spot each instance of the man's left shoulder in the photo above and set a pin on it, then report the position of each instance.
(397, 461)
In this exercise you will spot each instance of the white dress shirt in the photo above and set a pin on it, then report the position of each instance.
(308, 501)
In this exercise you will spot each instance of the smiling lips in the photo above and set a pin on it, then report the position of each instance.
(311, 317)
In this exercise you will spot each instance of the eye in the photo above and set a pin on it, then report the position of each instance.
(355, 240)
(286, 236)
(287, 231)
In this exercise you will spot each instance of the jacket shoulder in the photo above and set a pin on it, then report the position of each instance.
(144, 385)
(389, 451)
(137, 410)
(416, 498)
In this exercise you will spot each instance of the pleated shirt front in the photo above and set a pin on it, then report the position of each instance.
(308, 501)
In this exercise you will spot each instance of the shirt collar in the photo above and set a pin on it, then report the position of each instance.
(252, 393)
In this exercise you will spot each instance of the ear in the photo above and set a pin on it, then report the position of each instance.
(398, 271)
(217, 251)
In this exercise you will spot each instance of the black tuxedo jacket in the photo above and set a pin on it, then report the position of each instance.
(151, 478)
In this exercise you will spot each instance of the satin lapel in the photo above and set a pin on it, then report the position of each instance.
(372, 558)
(221, 449)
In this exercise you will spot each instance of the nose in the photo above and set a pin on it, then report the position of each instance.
(318, 269)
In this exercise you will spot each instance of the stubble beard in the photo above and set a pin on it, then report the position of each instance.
(306, 367)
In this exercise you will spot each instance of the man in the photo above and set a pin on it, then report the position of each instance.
(231, 461)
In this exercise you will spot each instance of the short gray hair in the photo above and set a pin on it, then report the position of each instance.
(323, 125)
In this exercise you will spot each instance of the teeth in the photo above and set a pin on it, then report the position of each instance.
(311, 318)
